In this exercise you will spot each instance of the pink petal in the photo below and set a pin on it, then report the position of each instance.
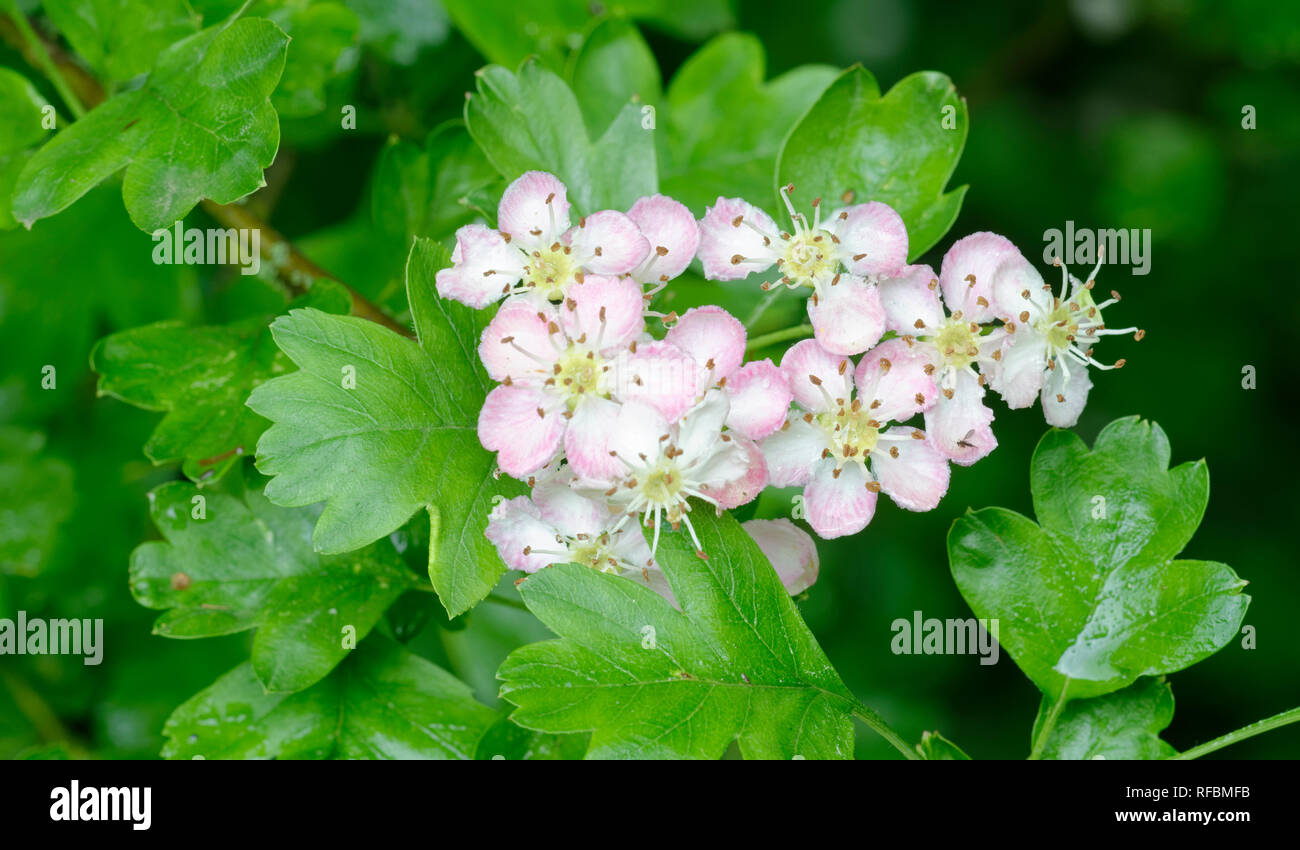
(792, 452)
(567, 510)
(607, 242)
(509, 424)
(976, 257)
(534, 210)
(730, 248)
(516, 527)
(911, 471)
(629, 544)
(673, 234)
(701, 427)
(483, 266)
(586, 440)
(1018, 292)
(760, 398)
(847, 317)
(637, 431)
(959, 426)
(516, 343)
(789, 548)
(1064, 398)
(732, 472)
(743, 489)
(874, 234)
(894, 374)
(815, 373)
(1019, 377)
(838, 505)
(603, 312)
(911, 302)
(659, 374)
(714, 337)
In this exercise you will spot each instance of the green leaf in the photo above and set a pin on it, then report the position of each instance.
(20, 113)
(36, 496)
(121, 38)
(109, 281)
(736, 663)
(900, 149)
(229, 565)
(935, 747)
(11, 165)
(531, 121)
(424, 191)
(382, 702)
(507, 741)
(724, 124)
(1066, 479)
(202, 126)
(319, 34)
(403, 438)
(1093, 599)
(399, 29)
(507, 32)
(614, 65)
(200, 377)
(1123, 725)
(21, 126)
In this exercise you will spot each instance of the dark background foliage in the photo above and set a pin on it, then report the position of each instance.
(1114, 113)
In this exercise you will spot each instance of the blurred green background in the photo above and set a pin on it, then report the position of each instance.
(1113, 113)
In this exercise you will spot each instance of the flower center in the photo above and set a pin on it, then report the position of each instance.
(663, 484)
(1061, 326)
(580, 372)
(956, 343)
(594, 553)
(808, 259)
(851, 431)
(550, 271)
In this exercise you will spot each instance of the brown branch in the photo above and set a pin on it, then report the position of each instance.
(297, 267)
(292, 272)
(83, 85)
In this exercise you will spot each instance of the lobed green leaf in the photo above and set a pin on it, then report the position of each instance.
(735, 663)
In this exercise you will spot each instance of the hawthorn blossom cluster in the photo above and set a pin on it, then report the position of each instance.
(613, 428)
(607, 424)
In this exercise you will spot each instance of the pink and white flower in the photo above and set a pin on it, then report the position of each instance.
(556, 365)
(758, 392)
(673, 236)
(840, 260)
(1053, 339)
(558, 525)
(959, 423)
(536, 249)
(841, 447)
(665, 464)
(792, 553)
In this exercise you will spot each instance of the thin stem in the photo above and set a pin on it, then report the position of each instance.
(297, 271)
(1040, 740)
(42, 56)
(1257, 728)
(878, 725)
(38, 713)
(761, 308)
(796, 332)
